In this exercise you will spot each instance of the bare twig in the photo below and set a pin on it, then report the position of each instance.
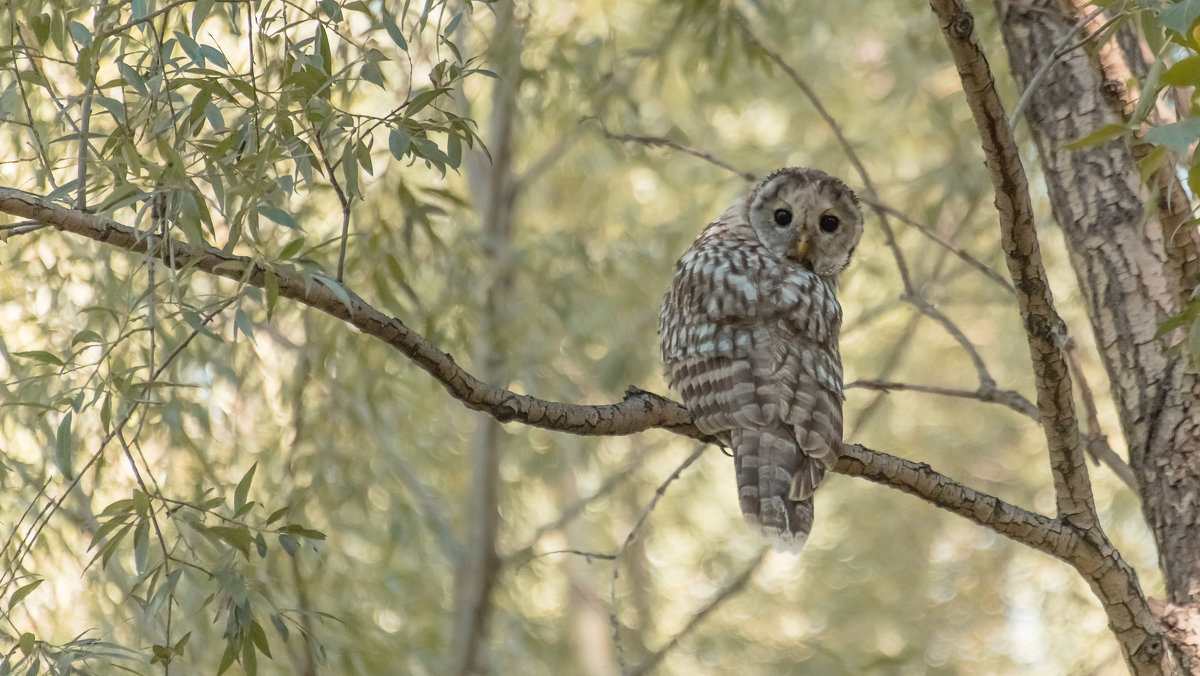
(943, 242)
(522, 555)
(85, 125)
(342, 200)
(727, 592)
(38, 148)
(1008, 398)
(1097, 444)
(667, 143)
(1064, 48)
(613, 619)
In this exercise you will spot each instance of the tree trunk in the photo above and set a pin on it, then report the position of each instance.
(1134, 271)
(493, 190)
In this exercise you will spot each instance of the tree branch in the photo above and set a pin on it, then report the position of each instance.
(638, 411)
(1044, 330)
(1114, 583)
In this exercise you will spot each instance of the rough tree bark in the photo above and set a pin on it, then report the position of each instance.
(1133, 272)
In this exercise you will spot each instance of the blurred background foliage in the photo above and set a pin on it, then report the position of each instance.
(288, 494)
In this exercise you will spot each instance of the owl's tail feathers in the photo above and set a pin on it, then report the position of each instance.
(791, 535)
(775, 485)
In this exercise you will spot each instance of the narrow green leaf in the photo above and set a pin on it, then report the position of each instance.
(118, 507)
(280, 627)
(277, 514)
(237, 536)
(423, 99)
(1099, 137)
(338, 291)
(324, 50)
(41, 27)
(1177, 136)
(453, 151)
(291, 249)
(1185, 73)
(86, 336)
(289, 543)
(106, 528)
(278, 215)
(39, 355)
(393, 30)
(249, 659)
(200, 12)
(79, 33)
(398, 142)
(371, 73)
(260, 638)
(141, 546)
(191, 48)
(20, 594)
(64, 446)
(309, 533)
(1180, 16)
(230, 654)
(242, 321)
(272, 285)
(243, 487)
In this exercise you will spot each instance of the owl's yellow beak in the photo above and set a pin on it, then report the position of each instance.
(802, 247)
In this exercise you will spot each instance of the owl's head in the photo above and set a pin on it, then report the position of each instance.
(807, 216)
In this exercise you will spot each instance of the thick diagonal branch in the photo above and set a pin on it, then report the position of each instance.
(1138, 632)
(1043, 327)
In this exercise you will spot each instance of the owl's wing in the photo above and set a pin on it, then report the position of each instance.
(706, 331)
(810, 374)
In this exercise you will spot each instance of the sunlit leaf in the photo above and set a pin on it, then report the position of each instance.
(23, 591)
(243, 487)
(64, 446)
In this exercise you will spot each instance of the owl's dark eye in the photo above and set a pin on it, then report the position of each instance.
(829, 223)
(783, 217)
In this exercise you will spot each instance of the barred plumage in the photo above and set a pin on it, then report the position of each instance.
(749, 336)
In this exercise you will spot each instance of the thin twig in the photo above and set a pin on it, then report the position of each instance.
(1008, 398)
(613, 620)
(345, 203)
(1096, 442)
(1062, 50)
(727, 592)
(667, 143)
(522, 555)
(943, 242)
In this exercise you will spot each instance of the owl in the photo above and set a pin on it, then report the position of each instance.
(749, 336)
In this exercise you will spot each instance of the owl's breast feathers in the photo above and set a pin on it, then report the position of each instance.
(727, 284)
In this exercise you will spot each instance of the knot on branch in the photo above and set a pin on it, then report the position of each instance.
(962, 24)
(505, 411)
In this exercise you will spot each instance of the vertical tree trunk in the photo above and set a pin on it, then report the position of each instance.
(493, 190)
(1133, 272)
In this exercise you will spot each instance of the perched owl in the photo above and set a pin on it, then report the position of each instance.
(749, 336)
